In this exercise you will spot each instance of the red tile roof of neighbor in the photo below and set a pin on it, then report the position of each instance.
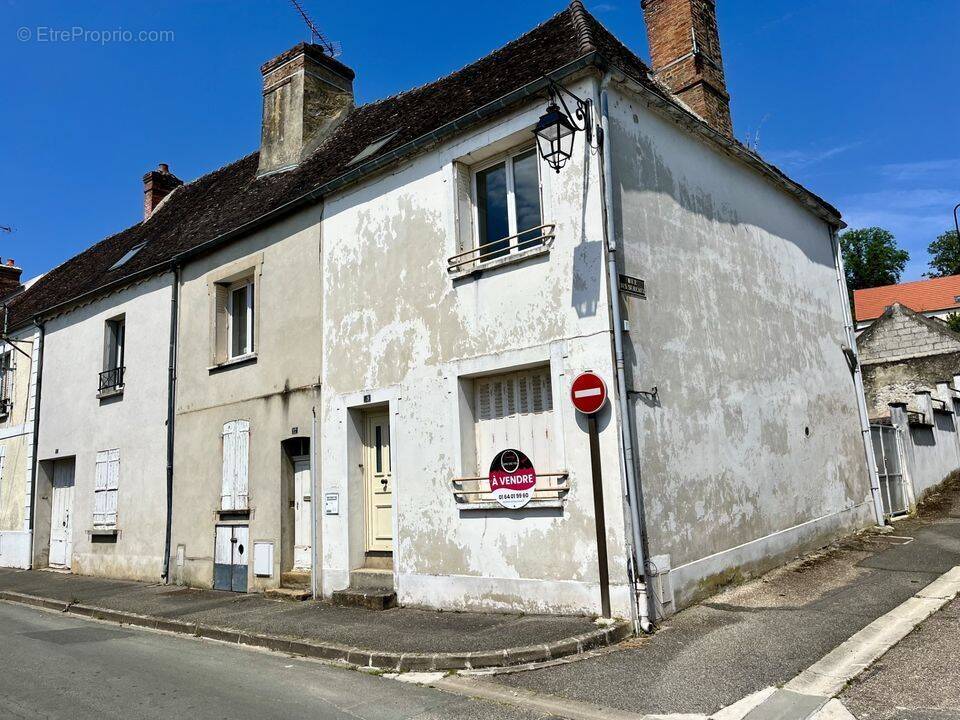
(920, 296)
(232, 201)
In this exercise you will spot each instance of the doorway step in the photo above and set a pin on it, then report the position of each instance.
(294, 587)
(370, 587)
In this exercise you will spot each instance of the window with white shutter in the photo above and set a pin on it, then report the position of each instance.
(106, 486)
(515, 410)
(236, 454)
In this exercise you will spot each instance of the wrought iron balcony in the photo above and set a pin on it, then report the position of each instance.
(111, 379)
(513, 245)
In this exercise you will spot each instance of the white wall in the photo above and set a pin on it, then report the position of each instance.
(751, 449)
(75, 423)
(398, 329)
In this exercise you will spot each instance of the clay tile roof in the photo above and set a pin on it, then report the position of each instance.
(231, 201)
(920, 296)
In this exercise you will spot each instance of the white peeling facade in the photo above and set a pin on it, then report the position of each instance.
(460, 365)
(101, 476)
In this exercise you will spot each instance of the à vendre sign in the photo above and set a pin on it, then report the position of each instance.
(512, 479)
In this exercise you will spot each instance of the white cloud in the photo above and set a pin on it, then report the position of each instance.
(804, 158)
(923, 169)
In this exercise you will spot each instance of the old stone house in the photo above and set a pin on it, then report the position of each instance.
(903, 352)
(327, 346)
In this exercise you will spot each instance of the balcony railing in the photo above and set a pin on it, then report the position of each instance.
(111, 379)
(503, 248)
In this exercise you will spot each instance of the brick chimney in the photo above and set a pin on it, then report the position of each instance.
(685, 50)
(9, 278)
(306, 94)
(157, 184)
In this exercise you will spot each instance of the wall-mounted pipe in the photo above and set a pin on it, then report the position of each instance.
(634, 492)
(857, 378)
(171, 415)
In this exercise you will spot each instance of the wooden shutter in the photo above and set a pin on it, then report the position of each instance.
(236, 456)
(241, 483)
(227, 491)
(113, 487)
(106, 484)
(515, 410)
(221, 323)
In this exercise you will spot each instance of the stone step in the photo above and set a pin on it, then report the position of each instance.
(288, 594)
(295, 579)
(371, 579)
(369, 599)
(381, 561)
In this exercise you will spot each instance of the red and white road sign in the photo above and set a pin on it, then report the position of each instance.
(588, 393)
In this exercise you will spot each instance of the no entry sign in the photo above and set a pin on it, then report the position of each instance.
(588, 393)
(512, 479)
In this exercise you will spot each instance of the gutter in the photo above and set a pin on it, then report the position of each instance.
(171, 415)
(637, 559)
(865, 431)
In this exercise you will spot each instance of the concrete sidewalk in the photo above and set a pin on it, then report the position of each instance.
(402, 639)
(761, 634)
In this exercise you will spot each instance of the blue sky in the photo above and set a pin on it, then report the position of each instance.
(857, 99)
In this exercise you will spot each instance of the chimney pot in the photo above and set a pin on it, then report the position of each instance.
(157, 184)
(306, 95)
(685, 53)
(11, 262)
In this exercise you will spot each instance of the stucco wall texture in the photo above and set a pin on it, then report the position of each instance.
(76, 423)
(275, 391)
(399, 329)
(750, 449)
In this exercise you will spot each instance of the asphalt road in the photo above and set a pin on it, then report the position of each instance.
(54, 666)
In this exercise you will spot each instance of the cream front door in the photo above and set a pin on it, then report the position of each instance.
(302, 535)
(61, 502)
(378, 479)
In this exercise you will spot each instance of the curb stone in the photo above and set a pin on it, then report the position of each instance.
(355, 657)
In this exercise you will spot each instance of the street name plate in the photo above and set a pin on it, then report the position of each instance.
(632, 286)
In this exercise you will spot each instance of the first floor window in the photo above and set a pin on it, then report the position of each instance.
(105, 489)
(241, 319)
(113, 361)
(236, 455)
(508, 204)
(515, 411)
(7, 370)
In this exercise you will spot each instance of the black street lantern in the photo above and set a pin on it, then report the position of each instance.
(555, 135)
(557, 128)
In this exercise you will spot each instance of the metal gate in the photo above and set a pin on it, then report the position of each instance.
(887, 452)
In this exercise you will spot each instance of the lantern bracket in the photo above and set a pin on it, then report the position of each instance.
(583, 107)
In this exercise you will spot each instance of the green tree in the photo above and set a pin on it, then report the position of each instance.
(944, 255)
(953, 321)
(872, 258)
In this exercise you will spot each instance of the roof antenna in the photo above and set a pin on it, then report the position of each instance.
(332, 48)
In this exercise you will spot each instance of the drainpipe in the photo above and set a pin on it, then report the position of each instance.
(315, 555)
(857, 379)
(36, 438)
(634, 491)
(171, 412)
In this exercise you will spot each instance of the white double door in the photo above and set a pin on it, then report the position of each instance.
(303, 517)
(61, 515)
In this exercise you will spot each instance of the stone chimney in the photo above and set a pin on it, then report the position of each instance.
(9, 278)
(306, 94)
(157, 184)
(685, 51)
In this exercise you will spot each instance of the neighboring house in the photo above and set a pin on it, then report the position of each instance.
(413, 274)
(902, 353)
(934, 298)
(18, 381)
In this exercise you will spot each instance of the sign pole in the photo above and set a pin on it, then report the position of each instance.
(599, 515)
